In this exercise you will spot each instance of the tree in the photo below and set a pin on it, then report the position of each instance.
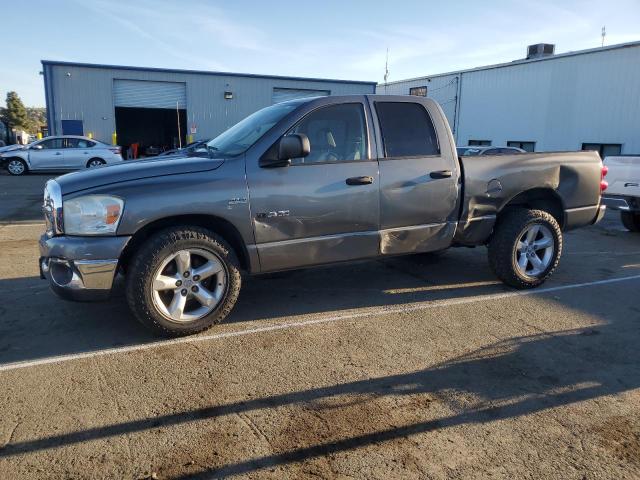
(15, 114)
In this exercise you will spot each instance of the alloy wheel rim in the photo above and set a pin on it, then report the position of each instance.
(189, 284)
(534, 250)
(16, 167)
(95, 163)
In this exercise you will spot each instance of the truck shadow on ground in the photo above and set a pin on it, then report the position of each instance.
(510, 378)
(38, 324)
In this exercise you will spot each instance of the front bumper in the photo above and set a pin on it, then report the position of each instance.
(80, 268)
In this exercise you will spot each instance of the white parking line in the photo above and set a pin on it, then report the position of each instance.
(305, 323)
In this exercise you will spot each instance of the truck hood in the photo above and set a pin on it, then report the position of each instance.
(134, 170)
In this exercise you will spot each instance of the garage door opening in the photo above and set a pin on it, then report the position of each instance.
(151, 116)
(153, 130)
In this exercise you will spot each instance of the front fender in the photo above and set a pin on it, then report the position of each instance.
(221, 193)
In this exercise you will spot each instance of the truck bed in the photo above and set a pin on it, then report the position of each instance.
(492, 181)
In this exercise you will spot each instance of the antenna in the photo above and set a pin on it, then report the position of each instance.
(604, 34)
(386, 71)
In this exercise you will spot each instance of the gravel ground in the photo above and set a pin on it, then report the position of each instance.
(413, 367)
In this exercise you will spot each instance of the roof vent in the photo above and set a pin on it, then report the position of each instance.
(540, 50)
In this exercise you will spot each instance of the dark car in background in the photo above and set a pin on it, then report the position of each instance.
(192, 149)
(4, 134)
(471, 150)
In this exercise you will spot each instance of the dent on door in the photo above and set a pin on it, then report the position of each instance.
(417, 238)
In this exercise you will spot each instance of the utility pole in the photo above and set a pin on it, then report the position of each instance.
(604, 34)
(178, 116)
(386, 71)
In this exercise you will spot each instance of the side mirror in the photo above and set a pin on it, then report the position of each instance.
(291, 146)
(37, 147)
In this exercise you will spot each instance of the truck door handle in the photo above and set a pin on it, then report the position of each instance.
(441, 174)
(359, 180)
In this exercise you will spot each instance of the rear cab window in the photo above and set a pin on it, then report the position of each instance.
(407, 130)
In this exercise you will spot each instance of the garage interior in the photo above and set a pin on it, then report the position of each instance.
(150, 116)
(153, 129)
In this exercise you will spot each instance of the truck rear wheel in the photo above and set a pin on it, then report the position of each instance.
(631, 221)
(525, 248)
(182, 281)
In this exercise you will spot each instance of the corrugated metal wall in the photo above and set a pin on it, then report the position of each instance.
(77, 92)
(559, 103)
(146, 94)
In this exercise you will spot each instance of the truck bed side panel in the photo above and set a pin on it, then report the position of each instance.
(491, 182)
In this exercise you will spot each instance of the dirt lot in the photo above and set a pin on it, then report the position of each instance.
(415, 367)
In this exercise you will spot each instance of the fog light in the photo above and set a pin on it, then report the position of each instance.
(61, 272)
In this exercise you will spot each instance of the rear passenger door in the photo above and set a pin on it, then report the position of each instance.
(78, 152)
(418, 176)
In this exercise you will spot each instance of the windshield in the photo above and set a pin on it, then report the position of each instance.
(244, 134)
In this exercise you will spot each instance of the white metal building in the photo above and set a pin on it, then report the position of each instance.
(588, 99)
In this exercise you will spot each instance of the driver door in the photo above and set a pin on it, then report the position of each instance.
(322, 208)
(47, 154)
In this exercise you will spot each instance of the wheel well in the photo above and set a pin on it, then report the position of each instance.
(217, 225)
(539, 199)
(5, 161)
(95, 158)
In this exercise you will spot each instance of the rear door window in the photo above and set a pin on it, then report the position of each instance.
(407, 130)
(79, 143)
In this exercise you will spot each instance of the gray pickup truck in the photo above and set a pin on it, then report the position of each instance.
(302, 183)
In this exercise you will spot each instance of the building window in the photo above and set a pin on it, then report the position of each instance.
(418, 91)
(604, 149)
(526, 146)
(476, 143)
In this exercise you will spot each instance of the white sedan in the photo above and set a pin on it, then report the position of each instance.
(66, 152)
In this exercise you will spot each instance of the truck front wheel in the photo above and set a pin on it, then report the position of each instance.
(525, 248)
(183, 280)
(631, 221)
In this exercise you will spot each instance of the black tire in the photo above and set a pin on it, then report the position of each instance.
(631, 221)
(510, 228)
(14, 172)
(147, 260)
(95, 162)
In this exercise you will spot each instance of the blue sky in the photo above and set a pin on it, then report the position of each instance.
(330, 39)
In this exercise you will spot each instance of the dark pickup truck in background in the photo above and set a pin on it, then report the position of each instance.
(301, 183)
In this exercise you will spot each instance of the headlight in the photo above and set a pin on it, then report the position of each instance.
(92, 215)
